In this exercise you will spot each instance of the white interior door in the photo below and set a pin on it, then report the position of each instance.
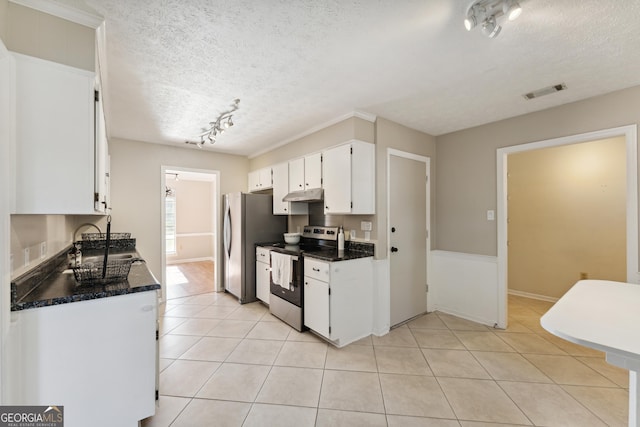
(408, 235)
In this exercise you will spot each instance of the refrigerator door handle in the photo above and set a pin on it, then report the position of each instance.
(227, 230)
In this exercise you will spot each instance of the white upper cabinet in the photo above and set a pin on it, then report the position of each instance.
(296, 175)
(102, 179)
(280, 189)
(55, 139)
(348, 173)
(305, 173)
(260, 180)
(313, 171)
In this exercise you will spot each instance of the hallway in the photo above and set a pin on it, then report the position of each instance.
(189, 279)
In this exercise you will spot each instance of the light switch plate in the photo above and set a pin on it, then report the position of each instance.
(491, 215)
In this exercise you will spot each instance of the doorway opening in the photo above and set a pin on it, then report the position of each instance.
(190, 261)
(629, 136)
(408, 216)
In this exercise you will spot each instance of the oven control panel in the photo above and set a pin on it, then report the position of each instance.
(320, 232)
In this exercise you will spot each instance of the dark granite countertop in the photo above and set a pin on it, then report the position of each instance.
(52, 283)
(353, 250)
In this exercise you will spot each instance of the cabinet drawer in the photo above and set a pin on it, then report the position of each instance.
(262, 255)
(316, 269)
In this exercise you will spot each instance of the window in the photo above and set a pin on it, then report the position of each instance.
(170, 224)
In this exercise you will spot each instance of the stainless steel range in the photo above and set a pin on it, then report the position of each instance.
(287, 271)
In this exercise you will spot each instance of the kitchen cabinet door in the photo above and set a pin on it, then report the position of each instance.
(336, 167)
(102, 179)
(254, 181)
(316, 306)
(263, 275)
(90, 355)
(313, 171)
(296, 175)
(280, 189)
(348, 173)
(266, 180)
(260, 180)
(55, 138)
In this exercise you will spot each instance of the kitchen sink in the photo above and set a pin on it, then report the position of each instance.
(100, 258)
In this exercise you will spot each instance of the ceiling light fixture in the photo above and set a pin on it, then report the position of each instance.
(217, 127)
(488, 13)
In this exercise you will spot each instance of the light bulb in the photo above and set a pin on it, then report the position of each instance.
(469, 22)
(511, 9)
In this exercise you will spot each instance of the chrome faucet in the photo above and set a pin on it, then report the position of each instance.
(86, 224)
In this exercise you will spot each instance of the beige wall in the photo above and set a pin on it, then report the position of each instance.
(30, 32)
(346, 130)
(4, 6)
(567, 216)
(393, 135)
(137, 193)
(466, 173)
(194, 216)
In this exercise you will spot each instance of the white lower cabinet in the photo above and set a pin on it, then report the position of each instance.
(96, 358)
(338, 299)
(263, 274)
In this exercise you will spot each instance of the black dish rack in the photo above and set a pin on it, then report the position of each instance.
(117, 270)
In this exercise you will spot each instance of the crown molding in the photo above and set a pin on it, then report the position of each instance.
(359, 114)
(63, 11)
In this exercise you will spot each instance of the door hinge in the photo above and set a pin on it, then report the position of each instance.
(96, 95)
(96, 197)
(329, 291)
(351, 150)
(329, 330)
(157, 335)
(351, 205)
(157, 394)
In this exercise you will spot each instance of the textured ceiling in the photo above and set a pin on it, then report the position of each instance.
(174, 65)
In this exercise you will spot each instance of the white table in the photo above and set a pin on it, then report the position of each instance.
(606, 316)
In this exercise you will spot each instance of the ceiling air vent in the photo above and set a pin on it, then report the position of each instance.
(545, 91)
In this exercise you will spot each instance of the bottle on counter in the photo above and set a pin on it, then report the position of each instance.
(341, 239)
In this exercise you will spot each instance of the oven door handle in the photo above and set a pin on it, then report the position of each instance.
(293, 259)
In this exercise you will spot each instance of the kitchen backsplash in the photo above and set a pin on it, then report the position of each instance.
(316, 216)
(43, 236)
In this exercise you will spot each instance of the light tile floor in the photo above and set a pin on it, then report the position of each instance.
(224, 364)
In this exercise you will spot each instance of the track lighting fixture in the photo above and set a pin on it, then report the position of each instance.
(488, 12)
(217, 127)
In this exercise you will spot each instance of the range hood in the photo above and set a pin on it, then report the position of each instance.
(312, 195)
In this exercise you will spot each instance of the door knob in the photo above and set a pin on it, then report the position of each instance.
(393, 229)
(394, 249)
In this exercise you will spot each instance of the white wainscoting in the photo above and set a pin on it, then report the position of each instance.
(465, 285)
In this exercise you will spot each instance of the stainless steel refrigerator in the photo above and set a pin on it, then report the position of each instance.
(248, 219)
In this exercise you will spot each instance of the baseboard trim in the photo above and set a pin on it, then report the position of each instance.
(184, 261)
(532, 296)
